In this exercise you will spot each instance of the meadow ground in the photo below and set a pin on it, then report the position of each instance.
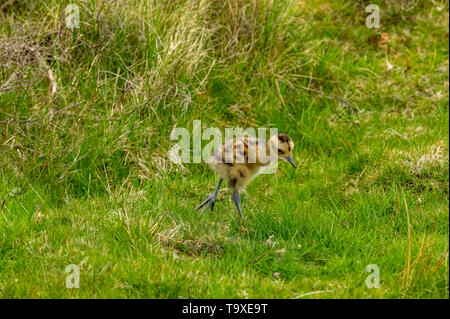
(85, 122)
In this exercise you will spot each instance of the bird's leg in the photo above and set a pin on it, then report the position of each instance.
(214, 195)
(237, 201)
(210, 199)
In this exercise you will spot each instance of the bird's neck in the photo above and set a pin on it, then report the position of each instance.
(267, 162)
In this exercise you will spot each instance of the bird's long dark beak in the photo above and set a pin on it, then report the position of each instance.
(290, 160)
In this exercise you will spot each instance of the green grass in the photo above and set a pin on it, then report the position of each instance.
(85, 177)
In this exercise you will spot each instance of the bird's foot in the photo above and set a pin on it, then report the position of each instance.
(208, 202)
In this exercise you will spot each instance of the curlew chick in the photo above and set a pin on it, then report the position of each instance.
(241, 159)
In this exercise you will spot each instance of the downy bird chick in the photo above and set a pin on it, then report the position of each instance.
(241, 159)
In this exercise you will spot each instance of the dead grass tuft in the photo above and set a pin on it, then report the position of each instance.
(190, 247)
(436, 157)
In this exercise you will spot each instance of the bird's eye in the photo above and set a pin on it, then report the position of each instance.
(280, 151)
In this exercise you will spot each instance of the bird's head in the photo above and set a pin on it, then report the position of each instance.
(282, 145)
